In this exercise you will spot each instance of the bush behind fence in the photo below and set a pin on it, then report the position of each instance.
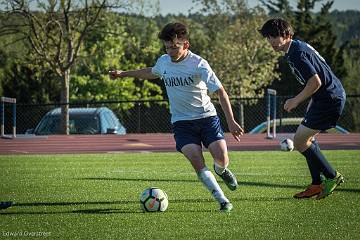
(153, 116)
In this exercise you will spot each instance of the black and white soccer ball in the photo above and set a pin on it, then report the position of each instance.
(286, 145)
(153, 200)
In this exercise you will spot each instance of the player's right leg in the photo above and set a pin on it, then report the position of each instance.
(212, 136)
(302, 142)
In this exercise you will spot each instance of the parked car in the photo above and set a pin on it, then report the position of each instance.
(81, 121)
(290, 125)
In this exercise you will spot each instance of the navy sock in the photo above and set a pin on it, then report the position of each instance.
(325, 166)
(313, 166)
(314, 141)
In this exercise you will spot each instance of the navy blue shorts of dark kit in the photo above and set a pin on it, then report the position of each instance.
(199, 131)
(323, 115)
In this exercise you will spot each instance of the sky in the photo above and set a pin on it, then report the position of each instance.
(183, 6)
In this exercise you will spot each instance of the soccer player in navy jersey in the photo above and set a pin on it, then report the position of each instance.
(188, 78)
(325, 107)
(4, 205)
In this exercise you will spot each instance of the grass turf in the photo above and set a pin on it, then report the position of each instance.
(97, 197)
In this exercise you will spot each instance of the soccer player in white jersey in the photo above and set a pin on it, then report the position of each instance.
(188, 78)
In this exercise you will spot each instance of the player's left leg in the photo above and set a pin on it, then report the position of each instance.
(218, 150)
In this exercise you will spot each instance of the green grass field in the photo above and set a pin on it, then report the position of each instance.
(97, 197)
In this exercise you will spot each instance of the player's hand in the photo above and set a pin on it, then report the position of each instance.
(236, 130)
(290, 104)
(114, 74)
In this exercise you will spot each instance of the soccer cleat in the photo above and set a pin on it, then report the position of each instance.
(226, 207)
(229, 179)
(309, 192)
(4, 205)
(329, 185)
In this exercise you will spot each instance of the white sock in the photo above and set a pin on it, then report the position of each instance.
(219, 169)
(208, 179)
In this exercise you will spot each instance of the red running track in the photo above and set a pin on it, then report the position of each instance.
(151, 143)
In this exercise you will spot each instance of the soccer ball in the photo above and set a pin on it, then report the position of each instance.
(286, 145)
(153, 200)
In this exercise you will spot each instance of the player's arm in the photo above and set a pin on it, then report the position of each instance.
(144, 73)
(234, 127)
(312, 85)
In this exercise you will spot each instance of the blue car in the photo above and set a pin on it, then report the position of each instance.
(81, 121)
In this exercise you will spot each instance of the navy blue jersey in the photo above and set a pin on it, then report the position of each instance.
(305, 62)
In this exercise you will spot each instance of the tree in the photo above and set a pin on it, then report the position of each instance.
(351, 81)
(55, 31)
(28, 82)
(346, 25)
(119, 42)
(220, 13)
(23, 76)
(352, 65)
(240, 57)
(280, 8)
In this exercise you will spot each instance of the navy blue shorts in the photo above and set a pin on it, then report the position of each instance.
(323, 115)
(199, 131)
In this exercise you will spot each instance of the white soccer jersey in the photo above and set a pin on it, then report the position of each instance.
(187, 83)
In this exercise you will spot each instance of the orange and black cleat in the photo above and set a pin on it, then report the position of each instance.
(309, 192)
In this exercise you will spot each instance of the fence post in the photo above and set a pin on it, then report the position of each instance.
(2, 110)
(271, 111)
(241, 113)
(139, 117)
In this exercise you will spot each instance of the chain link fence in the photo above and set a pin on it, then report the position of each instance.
(152, 116)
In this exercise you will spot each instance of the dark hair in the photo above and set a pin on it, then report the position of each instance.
(276, 27)
(172, 31)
